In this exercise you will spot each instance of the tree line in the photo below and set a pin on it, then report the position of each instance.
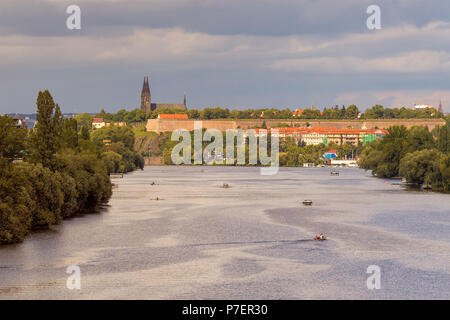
(336, 113)
(292, 153)
(420, 156)
(55, 171)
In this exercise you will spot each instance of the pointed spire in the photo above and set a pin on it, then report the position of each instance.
(145, 86)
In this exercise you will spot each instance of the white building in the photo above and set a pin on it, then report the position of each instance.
(312, 138)
(98, 123)
(422, 106)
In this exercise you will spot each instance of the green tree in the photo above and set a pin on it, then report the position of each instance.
(420, 166)
(443, 141)
(16, 205)
(58, 126)
(351, 112)
(112, 161)
(84, 133)
(387, 153)
(444, 168)
(44, 139)
(69, 134)
(12, 139)
(193, 114)
(84, 120)
(419, 137)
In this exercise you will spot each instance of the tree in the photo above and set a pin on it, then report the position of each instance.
(84, 120)
(420, 166)
(47, 194)
(16, 206)
(351, 112)
(12, 139)
(193, 114)
(112, 161)
(383, 157)
(443, 141)
(376, 112)
(419, 137)
(444, 168)
(69, 134)
(84, 133)
(44, 139)
(310, 114)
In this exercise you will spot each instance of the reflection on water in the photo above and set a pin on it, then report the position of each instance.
(250, 241)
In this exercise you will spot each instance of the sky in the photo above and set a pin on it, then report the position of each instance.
(237, 54)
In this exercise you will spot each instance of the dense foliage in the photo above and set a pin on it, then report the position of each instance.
(291, 153)
(119, 156)
(350, 112)
(296, 155)
(414, 154)
(57, 170)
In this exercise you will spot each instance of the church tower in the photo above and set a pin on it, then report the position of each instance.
(146, 97)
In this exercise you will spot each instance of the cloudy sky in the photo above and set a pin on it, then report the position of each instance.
(229, 53)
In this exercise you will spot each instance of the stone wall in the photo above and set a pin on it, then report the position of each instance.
(153, 161)
(165, 125)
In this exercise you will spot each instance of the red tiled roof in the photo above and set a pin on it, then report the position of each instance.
(97, 120)
(173, 116)
(326, 130)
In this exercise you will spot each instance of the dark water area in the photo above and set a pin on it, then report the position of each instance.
(250, 241)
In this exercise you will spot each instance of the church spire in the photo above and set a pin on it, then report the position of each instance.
(145, 86)
(146, 96)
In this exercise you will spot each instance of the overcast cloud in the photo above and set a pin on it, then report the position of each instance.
(229, 53)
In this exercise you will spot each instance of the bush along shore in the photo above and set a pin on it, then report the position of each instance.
(416, 154)
(56, 170)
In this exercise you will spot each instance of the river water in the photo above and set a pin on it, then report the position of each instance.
(250, 241)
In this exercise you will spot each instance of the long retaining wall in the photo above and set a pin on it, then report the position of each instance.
(168, 125)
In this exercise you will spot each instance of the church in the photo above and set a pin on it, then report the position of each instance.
(146, 100)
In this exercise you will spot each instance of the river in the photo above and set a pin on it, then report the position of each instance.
(250, 241)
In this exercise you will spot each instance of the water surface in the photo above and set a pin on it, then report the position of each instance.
(251, 241)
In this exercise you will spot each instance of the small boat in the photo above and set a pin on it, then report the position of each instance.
(426, 186)
(307, 202)
(225, 186)
(334, 173)
(320, 237)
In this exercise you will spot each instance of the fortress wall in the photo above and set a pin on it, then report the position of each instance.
(165, 125)
(344, 124)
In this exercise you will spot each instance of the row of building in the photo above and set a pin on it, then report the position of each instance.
(98, 123)
(310, 135)
(320, 135)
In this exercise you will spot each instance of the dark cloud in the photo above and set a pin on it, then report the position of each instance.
(248, 53)
(253, 17)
